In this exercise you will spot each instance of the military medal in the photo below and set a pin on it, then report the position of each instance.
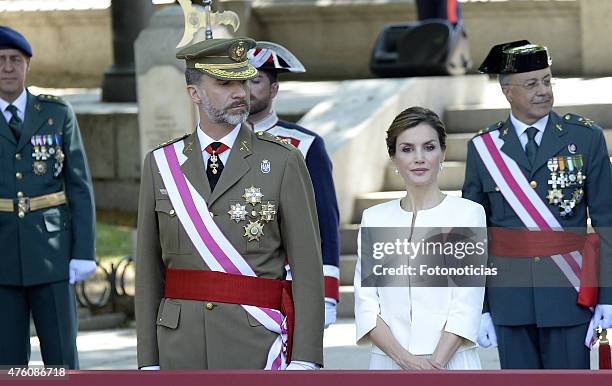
(59, 155)
(555, 196)
(553, 165)
(580, 177)
(36, 153)
(237, 212)
(268, 211)
(39, 167)
(562, 177)
(572, 148)
(254, 230)
(570, 174)
(578, 195)
(252, 195)
(214, 165)
(566, 208)
(44, 155)
(50, 141)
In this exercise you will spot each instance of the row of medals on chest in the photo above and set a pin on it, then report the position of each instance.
(44, 147)
(566, 173)
(256, 218)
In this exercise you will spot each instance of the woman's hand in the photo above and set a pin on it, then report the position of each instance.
(408, 361)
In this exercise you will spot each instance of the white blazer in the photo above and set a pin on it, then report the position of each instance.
(417, 316)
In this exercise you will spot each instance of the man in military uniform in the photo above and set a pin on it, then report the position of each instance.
(47, 218)
(271, 59)
(539, 170)
(219, 210)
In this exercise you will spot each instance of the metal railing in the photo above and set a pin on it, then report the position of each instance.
(107, 285)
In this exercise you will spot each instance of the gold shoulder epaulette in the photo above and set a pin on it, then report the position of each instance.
(495, 126)
(578, 120)
(51, 98)
(274, 139)
(173, 140)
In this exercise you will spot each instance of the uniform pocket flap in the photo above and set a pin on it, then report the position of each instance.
(53, 222)
(164, 206)
(170, 314)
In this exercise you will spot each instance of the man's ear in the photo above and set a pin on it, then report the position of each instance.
(506, 90)
(194, 94)
(273, 90)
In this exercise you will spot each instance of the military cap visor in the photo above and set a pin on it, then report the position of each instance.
(9, 38)
(224, 59)
(515, 57)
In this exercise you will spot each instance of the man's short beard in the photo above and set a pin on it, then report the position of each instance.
(258, 106)
(223, 117)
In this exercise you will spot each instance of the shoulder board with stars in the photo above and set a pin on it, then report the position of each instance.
(274, 139)
(495, 126)
(51, 98)
(578, 120)
(171, 141)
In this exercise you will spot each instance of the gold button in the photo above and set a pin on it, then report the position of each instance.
(18, 175)
(209, 306)
(211, 214)
(536, 259)
(18, 156)
(497, 188)
(259, 133)
(19, 194)
(254, 213)
(172, 212)
(533, 184)
(21, 214)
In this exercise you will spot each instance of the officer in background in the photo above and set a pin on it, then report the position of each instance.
(47, 217)
(535, 315)
(272, 59)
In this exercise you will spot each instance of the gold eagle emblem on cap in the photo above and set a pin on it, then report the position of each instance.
(238, 51)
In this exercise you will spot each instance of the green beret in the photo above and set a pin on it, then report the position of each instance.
(224, 59)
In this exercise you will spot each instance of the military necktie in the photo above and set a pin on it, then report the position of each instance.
(214, 166)
(15, 123)
(531, 149)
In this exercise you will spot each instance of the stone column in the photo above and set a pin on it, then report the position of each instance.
(129, 17)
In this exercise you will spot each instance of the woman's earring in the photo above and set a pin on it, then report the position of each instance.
(396, 171)
(441, 166)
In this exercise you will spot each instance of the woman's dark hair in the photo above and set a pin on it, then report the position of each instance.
(410, 118)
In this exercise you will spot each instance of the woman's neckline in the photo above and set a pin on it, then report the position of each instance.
(399, 202)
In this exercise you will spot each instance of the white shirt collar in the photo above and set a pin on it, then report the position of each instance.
(267, 123)
(20, 103)
(228, 140)
(521, 127)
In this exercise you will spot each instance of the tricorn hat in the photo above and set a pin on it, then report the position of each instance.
(270, 56)
(515, 57)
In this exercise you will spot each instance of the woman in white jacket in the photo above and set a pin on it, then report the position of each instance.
(416, 327)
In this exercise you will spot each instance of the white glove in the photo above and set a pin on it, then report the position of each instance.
(80, 270)
(486, 332)
(302, 365)
(330, 311)
(601, 317)
(150, 368)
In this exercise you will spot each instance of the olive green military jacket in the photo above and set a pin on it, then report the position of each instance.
(37, 248)
(187, 334)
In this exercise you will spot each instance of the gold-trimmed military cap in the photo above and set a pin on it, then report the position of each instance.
(515, 57)
(224, 59)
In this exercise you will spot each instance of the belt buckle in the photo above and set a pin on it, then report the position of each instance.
(23, 205)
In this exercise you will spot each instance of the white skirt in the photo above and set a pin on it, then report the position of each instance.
(463, 360)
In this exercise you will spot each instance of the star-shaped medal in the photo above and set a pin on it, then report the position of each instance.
(237, 212)
(254, 230)
(252, 195)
